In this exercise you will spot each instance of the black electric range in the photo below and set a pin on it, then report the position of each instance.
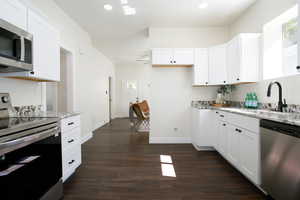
(30, 156)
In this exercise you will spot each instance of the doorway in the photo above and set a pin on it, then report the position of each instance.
(110, 98)
(60, 95)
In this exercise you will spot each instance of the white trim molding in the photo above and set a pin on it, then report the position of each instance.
(86, 138)
(170, 140)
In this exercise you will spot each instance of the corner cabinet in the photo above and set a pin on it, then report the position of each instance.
(243, 58)
(46, 41)
(169, 56)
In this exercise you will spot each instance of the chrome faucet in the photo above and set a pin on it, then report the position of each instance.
(281, 104)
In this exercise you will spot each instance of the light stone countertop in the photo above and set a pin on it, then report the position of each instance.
(286, 118)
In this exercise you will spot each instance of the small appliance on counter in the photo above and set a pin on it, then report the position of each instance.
(30, 155)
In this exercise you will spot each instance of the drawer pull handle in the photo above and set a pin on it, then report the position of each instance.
(71, 162)
(221, 115)
(71, 123)
(238, 130)
(70, 141)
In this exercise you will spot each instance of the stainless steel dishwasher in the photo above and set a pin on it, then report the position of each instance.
(280, 160)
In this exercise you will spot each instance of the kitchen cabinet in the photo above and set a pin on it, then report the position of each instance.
(46, 59)
(71, 145)
(14, 12)
(233, 145)
(217, 65)
(222, 138)
(250, 155)
(46, 50)
(239, 143)
(243, 58)
(234, 136)
(201, 67)
(169, 56)
(203, 136)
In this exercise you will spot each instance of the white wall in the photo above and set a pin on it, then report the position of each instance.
(131, 72)
(92, 70)
(171, 88)
(262, 12)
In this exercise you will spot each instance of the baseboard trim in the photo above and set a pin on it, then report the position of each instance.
(169, 140)
(86, 138)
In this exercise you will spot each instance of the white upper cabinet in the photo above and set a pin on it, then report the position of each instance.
(183, 56)
(162, 56)
(243, 58)
(168, 56)
(217, 65)
(46, 59)
(14, 12)
(201, 67)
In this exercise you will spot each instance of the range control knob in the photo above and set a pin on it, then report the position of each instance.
(5, 99)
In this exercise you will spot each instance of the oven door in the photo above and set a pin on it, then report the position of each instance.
(30, 172)
(15, 49)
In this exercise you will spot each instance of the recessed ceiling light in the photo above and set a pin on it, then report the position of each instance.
(128, 10)
(203, 5)
(123, 2)
(108, 7)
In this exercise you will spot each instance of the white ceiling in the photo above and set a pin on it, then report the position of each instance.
(113, 26)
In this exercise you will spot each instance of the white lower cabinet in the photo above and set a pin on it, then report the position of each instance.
(203, 136)
(71, 145)
(241, 146)
(234, 136)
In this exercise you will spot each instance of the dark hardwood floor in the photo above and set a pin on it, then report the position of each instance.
(119, 164)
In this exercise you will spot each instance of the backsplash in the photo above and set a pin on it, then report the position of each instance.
(292, 108)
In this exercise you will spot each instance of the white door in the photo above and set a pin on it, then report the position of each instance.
(249, 155)
(183, 56)
(233, 60)
(233, 145)
(46, 58)
(14, 12)
(162, 56)
(201, 67)
(217, 65)
(223, 137)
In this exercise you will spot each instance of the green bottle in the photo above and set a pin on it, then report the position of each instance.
(255, 99)
(247, 101)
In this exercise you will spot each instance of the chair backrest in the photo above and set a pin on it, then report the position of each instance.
(144, 106)
(138, 111)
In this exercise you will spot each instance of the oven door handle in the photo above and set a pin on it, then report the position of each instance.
(22, 142)
(22, 49)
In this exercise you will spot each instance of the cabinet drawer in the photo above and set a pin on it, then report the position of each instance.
(70, 123)
(71, 159)
(249, 123)
(71, 138)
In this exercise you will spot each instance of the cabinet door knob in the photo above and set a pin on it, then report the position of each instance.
(174, 61)
(238, 79)
(224, 81)
(221, 115)
(224, 124)
(298, 67)
(206, 83)
(171, 62)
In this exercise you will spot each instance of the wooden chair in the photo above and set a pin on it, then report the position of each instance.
(142, 112)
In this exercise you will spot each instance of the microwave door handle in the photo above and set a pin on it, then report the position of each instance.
(22, 49)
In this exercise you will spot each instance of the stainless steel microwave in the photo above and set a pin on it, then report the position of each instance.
(16, 52)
